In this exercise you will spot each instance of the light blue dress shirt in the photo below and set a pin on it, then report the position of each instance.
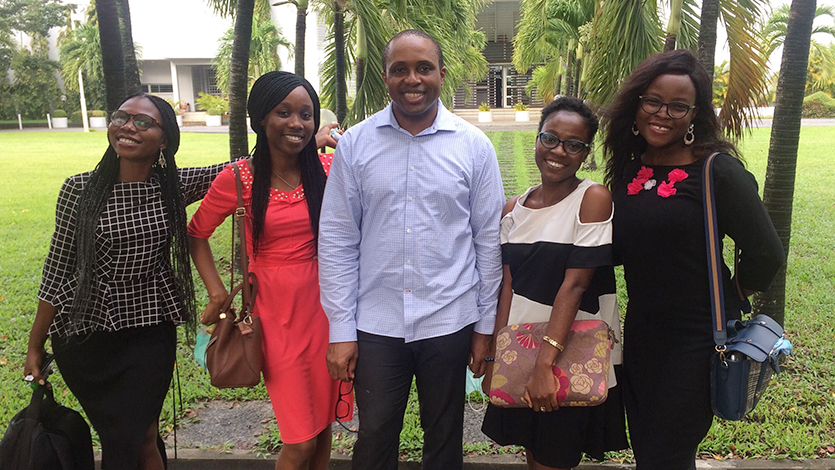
(409, 233)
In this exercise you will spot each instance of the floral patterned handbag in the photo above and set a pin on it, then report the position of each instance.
(581, 371)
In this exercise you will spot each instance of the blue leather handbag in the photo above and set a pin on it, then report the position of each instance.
(748, 352)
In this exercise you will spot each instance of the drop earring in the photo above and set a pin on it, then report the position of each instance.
(161, 160)
(635, 130)
(690, 136)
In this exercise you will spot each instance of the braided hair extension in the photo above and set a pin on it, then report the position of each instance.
(268, 92)
(93, 200)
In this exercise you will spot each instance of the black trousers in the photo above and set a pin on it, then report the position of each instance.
(384, 372)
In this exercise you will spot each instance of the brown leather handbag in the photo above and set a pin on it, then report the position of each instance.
(233, 355)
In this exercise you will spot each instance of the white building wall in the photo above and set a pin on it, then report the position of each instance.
(157, 72)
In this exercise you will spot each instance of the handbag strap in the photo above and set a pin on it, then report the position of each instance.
(240, 216)
(714, 255)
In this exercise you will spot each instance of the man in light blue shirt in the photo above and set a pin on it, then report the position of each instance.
(409, 259)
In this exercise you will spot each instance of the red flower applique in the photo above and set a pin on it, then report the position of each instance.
(634, 188)
(644, 173)
(677, 175)
(640, 180)
(666, 189)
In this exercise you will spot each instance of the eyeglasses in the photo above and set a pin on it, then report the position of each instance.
(571, 146)
(675, 109)
(142, 122)
(343, 406)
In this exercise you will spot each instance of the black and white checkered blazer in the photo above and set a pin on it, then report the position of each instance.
(133, 284)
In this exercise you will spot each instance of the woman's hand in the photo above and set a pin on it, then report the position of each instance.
(488, 377)
(323, 137)
(211, 314)
(540, 391)
(32, 366)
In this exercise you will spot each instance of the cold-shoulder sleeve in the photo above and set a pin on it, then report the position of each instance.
(592, 244)
(220, 201)
(197, 180)
(60, 262)
(742, 216)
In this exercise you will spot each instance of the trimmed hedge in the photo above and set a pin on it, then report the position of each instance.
(818, 105)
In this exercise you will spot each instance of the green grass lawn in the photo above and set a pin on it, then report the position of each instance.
(795, 419)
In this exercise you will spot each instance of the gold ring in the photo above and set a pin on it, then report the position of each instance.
(542, 408)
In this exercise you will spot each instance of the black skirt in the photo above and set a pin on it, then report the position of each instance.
(559, 438)
(120, 379)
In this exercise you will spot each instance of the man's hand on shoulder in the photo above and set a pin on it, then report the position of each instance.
(479, 349)
(342, 360)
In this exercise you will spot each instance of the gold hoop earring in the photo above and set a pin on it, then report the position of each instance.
(161, 160)
(635, 130)
(690, 137)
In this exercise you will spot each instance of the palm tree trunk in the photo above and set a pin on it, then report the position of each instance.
(301, 30)
(673, 26)
(113, 64)
(132, 81)
(559, 86)
(341, 68)
(778, 193)
(362, 53)
(707, 35)
(569, 77)
(238, 77)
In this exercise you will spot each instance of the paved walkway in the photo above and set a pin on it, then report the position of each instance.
(195, 459)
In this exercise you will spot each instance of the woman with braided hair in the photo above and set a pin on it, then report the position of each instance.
(283, 184)
(117, 281)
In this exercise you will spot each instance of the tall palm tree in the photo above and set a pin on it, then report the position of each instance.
(112, 53)
(625, 32)
(340, 66)
(132, 81)
(243, 11)
(263, 52)
(238, 138)
(301, 30)
(774, 32)
(707, 34)
(778, 193)
(366, 27)
(80, 51)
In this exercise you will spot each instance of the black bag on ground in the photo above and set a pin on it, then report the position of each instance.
(46, 436)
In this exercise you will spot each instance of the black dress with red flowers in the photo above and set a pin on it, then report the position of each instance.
(659, 237)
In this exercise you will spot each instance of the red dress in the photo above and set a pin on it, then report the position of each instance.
(295, 327)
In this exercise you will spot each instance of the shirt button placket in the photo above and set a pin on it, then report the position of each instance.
(409, 242)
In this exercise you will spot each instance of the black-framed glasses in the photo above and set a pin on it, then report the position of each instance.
(675, 109)
(571, 146)
(142, 122)
(344, 407)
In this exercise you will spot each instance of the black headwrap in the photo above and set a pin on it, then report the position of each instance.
(270, 89)
(268, 92)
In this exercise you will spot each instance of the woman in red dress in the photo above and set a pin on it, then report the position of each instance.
(283, 183)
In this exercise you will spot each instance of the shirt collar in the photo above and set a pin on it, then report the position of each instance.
(444, 120)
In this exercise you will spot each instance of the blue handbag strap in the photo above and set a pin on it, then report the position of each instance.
(714, 255)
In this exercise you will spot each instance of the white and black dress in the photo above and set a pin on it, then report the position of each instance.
(118, 357)
(539, 245)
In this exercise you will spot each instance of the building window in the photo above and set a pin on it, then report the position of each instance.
(161, 88)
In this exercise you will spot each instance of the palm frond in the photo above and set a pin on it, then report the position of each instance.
(625, 32)
(747, 77)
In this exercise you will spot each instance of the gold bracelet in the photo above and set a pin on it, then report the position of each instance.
(553, 343)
